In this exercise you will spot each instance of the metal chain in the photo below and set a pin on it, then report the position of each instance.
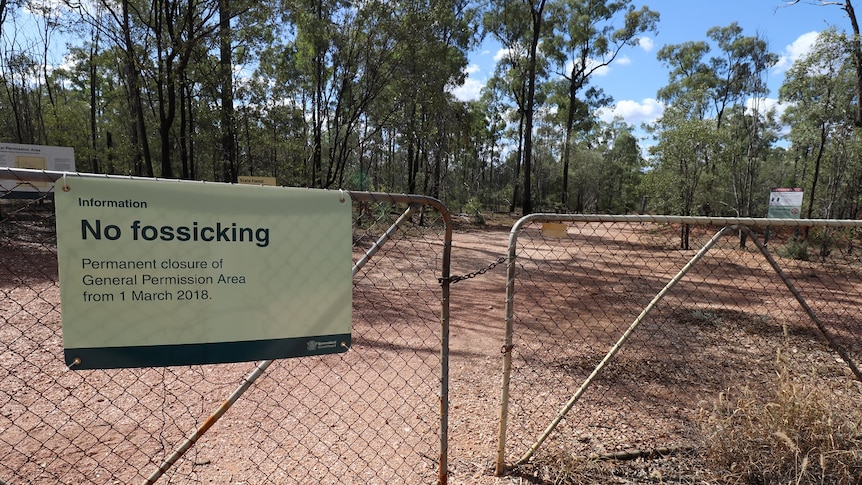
(455, 279)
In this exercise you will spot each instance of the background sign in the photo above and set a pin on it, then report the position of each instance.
(157, 273)
(37, 157)
(250, 180)
(785, 203)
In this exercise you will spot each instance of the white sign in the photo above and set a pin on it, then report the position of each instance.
(36, 157)
(785, 203)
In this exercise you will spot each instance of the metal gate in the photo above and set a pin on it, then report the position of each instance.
(375, 414)
(617, 336)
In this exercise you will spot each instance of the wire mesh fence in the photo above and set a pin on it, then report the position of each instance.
(375, 414)
(379, 413)
(621, 343)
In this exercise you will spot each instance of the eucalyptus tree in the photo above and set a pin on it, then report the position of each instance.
(274, 89)
(741, 71)
(747, 138)
(684, 145)
(17, 72)
(117, 24)
(520, 26)
(363, 66)
(705, 89)
(855, 47)
(820, 92)
(312, 42)
(508, 23)
(504, 95)
(342, 56)
(125, 38)
(509, 83)
(621, 169)
(588, 37)
(431, 52)
(25, 31)
(177, 29)
(493, 110)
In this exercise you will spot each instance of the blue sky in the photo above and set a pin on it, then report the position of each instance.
(636, 76)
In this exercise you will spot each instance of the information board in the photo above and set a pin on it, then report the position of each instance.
(785, 203)
(36, 157)
(158, 273)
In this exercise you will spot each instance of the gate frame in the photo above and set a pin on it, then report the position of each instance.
(728, 224)
(414, 204)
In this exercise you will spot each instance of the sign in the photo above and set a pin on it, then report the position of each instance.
(36, 157)
(554, 229)
(158, 273)
(785, 203)
(249, 180)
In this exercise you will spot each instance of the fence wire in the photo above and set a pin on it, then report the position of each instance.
(729, 326)
(379, 413)
(370, 415)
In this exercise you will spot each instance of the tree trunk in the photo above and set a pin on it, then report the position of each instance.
(184, 129)
(94, 159)
(136, 105)
(228, 136)
(516, 178)
(817, 161)
(537, 13)
(857, 58)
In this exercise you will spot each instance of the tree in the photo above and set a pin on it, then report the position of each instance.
(820, 91)
(682, 153)
(509, 23)
(621, 169)
(855, 48)
(589, 36)
(522, 25)
(708, 91)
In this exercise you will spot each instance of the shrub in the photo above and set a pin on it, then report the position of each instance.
(795, 249)
(474, 210)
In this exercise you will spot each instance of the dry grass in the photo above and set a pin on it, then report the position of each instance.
(789, 432)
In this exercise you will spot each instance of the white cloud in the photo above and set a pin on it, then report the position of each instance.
(763, 104)
(624, 60)
(601, 71)
(470, 90)
(473, 84)
(646, 43)
(501, 54)
(801, 46)
(633, 112)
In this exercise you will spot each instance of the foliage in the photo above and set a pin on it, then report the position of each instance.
(821, 91)
(338, 94)
(474, 210)
(795, 249)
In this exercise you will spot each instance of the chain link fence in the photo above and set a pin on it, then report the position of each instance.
(616, 343)
(375, 414)
(620, 343)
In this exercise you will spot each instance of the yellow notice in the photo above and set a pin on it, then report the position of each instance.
(165, 273)
(34, 163)
(554, 229)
